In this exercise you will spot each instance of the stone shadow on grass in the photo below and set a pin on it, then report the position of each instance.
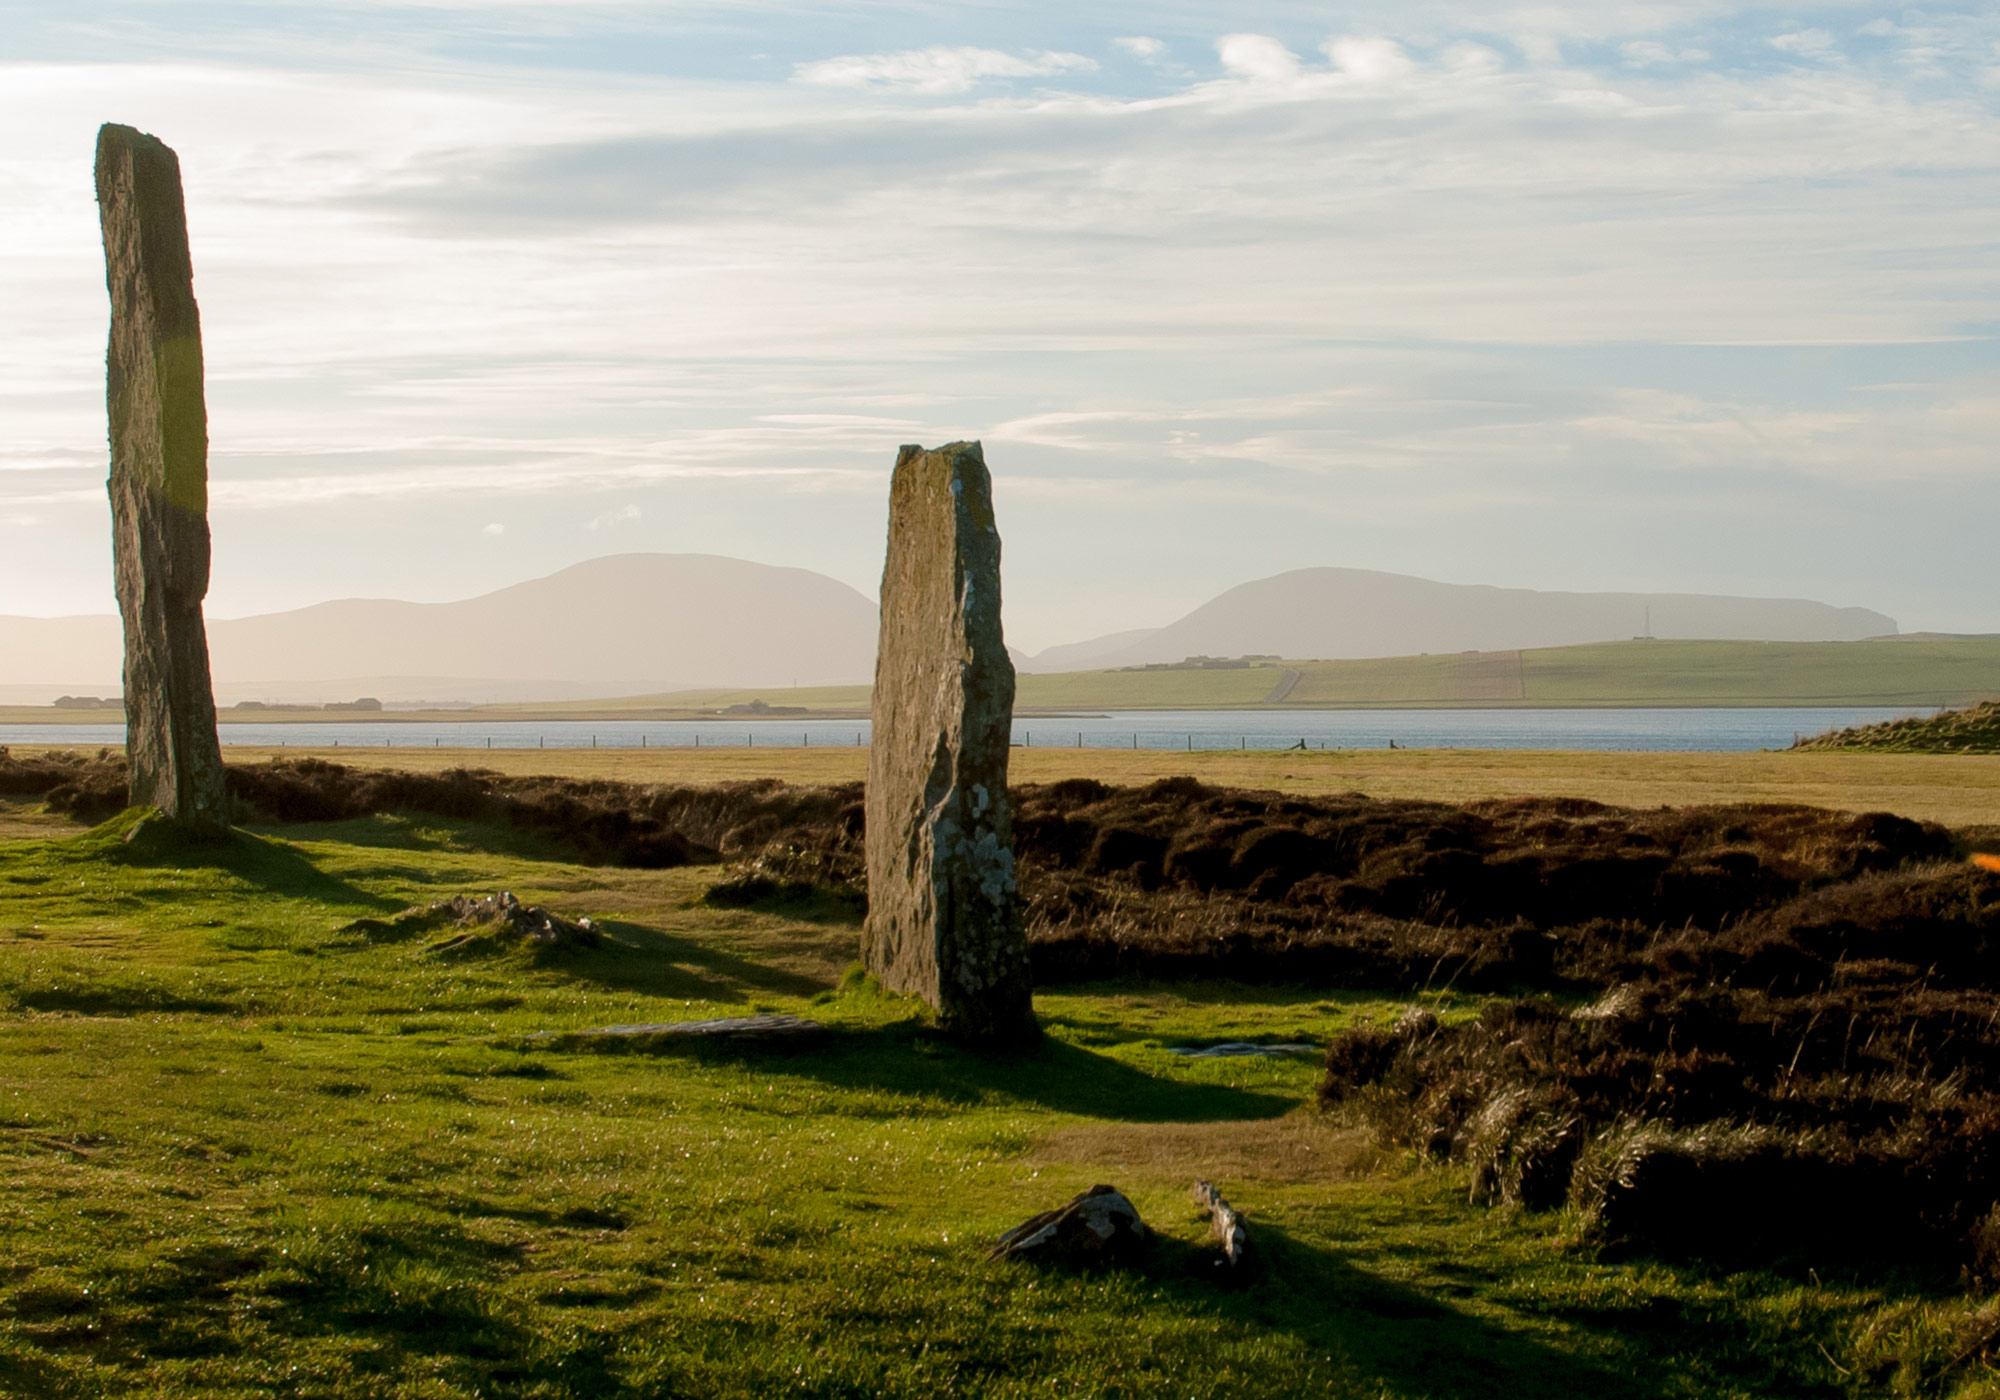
(907, 1058)
(1410, 1340)
(141, 839)
(400, 1295)
(637, 958)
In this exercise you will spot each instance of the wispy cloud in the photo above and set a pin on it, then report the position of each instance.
(1806, 43)
(627, 514)
(938, 69)
(1257, 57)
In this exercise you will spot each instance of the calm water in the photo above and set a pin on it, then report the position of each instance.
(1676, 730)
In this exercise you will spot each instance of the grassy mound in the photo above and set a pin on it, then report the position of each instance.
(1975, 729)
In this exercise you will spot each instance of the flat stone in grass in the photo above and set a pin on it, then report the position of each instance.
(944, 918)
(764, 1028)
(159, 482)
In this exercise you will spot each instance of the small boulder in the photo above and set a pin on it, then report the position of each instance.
(479, 916)
(1099, 1225)
(503, 914)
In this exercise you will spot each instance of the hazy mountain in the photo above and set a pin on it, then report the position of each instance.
(622, 625)
(1090, 655)
(1333, 614)
(638, 623)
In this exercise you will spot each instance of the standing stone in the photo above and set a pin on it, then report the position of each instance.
(159, 481)
(944, 919)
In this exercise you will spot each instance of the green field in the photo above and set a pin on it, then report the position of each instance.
(1915, 670)
(248, 1153)
(1918, 670)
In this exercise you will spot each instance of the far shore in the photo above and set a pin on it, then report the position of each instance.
(571, 713)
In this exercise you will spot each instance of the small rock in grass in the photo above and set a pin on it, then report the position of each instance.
(1098, 1225)
(499, 913)
(766, 1026)
(1225, 1222)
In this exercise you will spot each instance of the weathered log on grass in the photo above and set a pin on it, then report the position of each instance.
(1225, 1222)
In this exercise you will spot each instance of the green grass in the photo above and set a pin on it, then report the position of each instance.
(245, 1153)
(1891, 671)
(1975, 729)
(1147, 690)
(1916, 670)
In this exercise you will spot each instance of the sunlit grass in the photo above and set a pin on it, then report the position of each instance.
(244, 1152)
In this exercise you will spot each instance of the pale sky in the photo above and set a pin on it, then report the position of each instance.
(1676, 296)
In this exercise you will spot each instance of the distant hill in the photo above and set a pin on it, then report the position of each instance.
(1341, 614)
(618, 625)
(637, 624)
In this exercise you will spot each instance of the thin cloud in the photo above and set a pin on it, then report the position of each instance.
(1257, 58)
(1368, 59)
(938, 69)
(1806, 43)
(624, 515)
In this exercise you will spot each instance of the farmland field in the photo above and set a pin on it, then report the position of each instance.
(1895, 671)
(1916, 670)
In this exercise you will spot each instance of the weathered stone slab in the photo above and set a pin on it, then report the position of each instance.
(944, 918)
(1096, 1226)
(159, 480)
(766, 1026)
(1225, 1222)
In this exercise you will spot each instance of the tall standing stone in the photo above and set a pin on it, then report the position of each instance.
(159, 480)
(944, 918)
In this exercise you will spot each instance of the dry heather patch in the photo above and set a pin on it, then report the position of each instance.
(1820, 1080)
